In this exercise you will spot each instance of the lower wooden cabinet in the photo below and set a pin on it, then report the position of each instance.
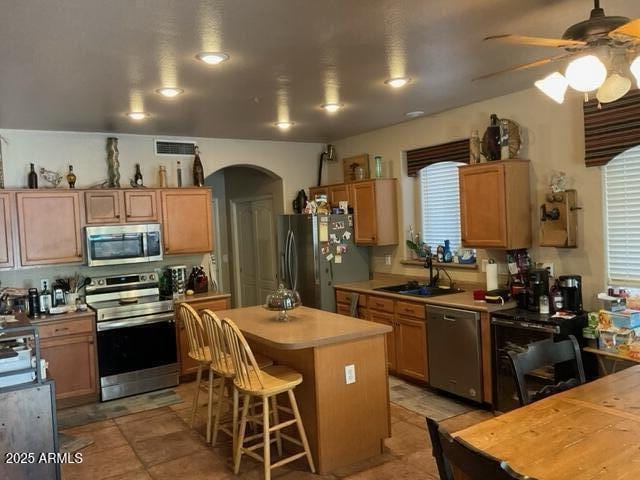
(187, 364)
(391, 337)
(411, 345)
(69, 348)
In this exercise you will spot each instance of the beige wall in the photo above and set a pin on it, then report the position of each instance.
(553, 140)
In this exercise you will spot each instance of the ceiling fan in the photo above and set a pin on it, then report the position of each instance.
(614, 40)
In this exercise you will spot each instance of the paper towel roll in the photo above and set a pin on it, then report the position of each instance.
(492, 276)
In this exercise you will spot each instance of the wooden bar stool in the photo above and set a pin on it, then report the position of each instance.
(252, 381)
(198, 349)
(222, 368)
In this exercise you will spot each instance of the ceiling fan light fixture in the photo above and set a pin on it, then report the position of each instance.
(586, 74)
(613, 88)
(554, 86)
(635, 69)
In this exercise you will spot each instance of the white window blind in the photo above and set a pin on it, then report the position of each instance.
(440, 194)
(622, 212)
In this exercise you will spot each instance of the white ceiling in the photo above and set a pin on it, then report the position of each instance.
(82, 64)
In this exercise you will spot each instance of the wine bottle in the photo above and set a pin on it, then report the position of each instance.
(198, 172)
(137, 178)
(179, 174)
(33, 178)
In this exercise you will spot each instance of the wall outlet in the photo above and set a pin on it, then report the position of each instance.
(350, 374)
(42, 282)
(549, 266)
(387, 259)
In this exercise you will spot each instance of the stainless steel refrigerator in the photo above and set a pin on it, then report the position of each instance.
(317, 252)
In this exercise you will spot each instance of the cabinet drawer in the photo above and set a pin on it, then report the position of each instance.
(344, 296)
(70, 327)
(211, 304)
(410, 309)
(381, 303)
(343, 309)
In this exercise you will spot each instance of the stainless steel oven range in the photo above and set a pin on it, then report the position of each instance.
(136, 332)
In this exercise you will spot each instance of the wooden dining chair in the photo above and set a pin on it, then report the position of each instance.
(545, 353)
(444, 470)
(221, 367)
(469, 463)
(198, 349)
(266, 384)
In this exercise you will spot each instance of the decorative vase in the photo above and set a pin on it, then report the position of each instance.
(474, 147)
(113, 162)
(491, 140)
(198, 171)
(71, 177)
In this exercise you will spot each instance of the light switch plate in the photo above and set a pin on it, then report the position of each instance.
(350, 374)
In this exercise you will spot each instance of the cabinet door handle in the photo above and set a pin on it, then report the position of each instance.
(118, 215)
(64, 329)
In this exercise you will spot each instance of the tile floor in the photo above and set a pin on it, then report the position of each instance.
(158, 444)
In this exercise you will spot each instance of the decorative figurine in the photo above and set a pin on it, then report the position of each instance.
(54, 178)
(162, 174)
(113, 162)
(492, 139)
(198, 171)
(71, 177)
(510, 138)
(474, 147)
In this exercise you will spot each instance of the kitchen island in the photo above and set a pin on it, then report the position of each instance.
(345, 423)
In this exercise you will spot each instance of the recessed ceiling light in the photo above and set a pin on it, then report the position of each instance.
(137, 115)
(331, 107)
(414, 114)
(398, 82)
(169, 92)
(212, 58)
(284, 125)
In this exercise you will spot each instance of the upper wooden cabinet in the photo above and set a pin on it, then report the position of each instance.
(375, 211)
(495, 207)
(6, 236)
(186, 220)
(49, 227)
(313, 191)
(121, 206)
(338, 193)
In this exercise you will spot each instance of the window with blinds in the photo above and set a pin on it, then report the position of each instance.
(622, 211)
(440, 195)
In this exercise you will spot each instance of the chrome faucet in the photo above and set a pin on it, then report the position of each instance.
(428, 263)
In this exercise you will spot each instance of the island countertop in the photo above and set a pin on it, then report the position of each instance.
(307, 328)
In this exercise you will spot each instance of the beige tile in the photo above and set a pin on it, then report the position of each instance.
(89, 427)
(406, 438)
(134, 417)
(203, 465)
(138, 474)
(365, 464)
(465, 420)
(101, 464)
(168, 447)
(396, 470)
(106, 437)
(158, 425)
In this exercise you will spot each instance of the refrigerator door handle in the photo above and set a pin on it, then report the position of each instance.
(316, 248)
(283, 260)
(294, 263)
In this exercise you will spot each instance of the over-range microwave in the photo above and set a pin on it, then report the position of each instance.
(121, 244)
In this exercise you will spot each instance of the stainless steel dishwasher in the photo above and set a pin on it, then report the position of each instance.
(453, 340)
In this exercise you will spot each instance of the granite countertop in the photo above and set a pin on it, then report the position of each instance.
(307, 328)
(59, 316)
(462, 300)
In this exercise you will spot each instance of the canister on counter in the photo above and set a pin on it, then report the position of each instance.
(34, 303)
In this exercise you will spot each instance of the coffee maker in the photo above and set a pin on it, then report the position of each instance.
(538, 280)
(571, 289)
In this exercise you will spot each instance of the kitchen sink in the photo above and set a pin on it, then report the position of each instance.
(419, 290)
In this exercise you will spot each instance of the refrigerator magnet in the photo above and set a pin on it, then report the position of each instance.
(329, 257)
(338, 259)
(346, 235)
(334, 238)
(323, 232)
(325, 249)
(341, 249)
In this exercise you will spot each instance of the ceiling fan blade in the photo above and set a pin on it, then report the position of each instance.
(524, 66)
(631, 29)
(537, 41)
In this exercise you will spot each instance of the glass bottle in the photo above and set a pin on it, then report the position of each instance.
(198, 172)
(137, 178)
(378, 166)
(162, 173)
(71, 177)
(544, 305)
(179, 174)
(33, 178)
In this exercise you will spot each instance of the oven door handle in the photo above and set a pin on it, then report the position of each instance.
(134, 322)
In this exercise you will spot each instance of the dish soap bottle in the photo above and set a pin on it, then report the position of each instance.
(448, 257)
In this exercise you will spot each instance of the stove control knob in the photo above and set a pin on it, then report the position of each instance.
(100, 282)
(152, 277)
(143, 278)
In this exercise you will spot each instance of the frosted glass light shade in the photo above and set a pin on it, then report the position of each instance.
(554, 86)
(613, 88)
(586, 73)
(635, 69)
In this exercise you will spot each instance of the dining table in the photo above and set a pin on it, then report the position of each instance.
(344, 394)
(591, 431)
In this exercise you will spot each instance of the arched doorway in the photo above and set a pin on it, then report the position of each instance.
(247, 201)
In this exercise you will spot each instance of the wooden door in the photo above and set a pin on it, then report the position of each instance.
(411, 337)
(186, 220)
(338, 193)
(71, 364)
(387, 319)
(265, 245)
(49, 227)
(140, 205)
(6, 236)
(102, 207)
(483, 206)
(245, 255)
(363, 199)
